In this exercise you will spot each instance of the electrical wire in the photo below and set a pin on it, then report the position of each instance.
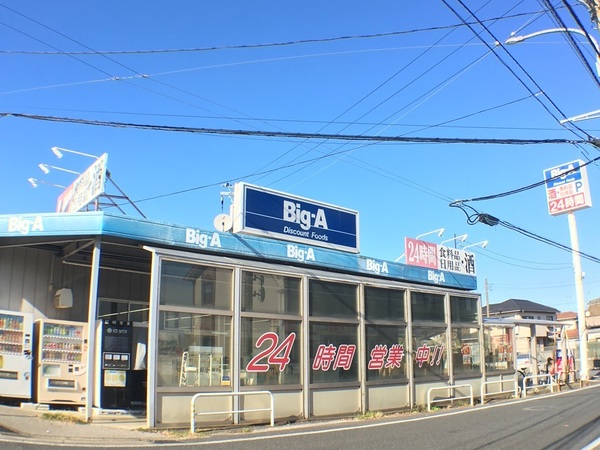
(136, 73)
(582, 28)
(297, 135)
(373, 91)
(530, 186)
(571, 40)
(538, 88)
(423, 97)
(254, 46)
(423, 126)
(474, 217)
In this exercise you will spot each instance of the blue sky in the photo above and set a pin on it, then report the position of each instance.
(339, 67)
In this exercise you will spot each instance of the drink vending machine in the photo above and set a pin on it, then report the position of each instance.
(113, 356)
(16, 357)
(61, 355)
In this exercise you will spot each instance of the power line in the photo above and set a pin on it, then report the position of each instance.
(297, 135)
(530, 186)
(474, 217)
(137, 74)
(254, 46)
(424, 126)
(372, 92)
(571, 40)
(539, 89)
(94, 52)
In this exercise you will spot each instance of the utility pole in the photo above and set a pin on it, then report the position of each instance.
(593, 7)
(487, 298)
(581, 319)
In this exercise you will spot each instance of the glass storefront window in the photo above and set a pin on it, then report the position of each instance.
(269, 293)
(429, 352)
(384, 304)
(498, 342)
(386, 347)
(466, 351)
(333, 355)
(270, 352)
(463, 309)
(427, 306)
(193, 350)
(123, 310)
(332, 300)
(195, 285)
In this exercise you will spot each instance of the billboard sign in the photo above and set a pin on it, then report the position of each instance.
(438, 257)
(420, 253)
(567, 188)
(264, 212)
(85, 189)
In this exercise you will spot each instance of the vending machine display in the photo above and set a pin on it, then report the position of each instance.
(61, 356)
(16, 340)
(113, 389)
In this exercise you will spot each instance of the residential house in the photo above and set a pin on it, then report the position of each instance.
(534, 330)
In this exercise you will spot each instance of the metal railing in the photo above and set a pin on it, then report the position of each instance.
(456, 386)
(514, 391)
(550, 382)
(231, 411)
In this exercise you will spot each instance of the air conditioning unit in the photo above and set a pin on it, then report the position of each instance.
(63, 298)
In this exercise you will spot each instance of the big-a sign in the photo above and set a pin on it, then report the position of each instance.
(265, 212)
(567, 188)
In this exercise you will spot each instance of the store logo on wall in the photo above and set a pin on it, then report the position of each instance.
(202, 240)
(264, 212)
(24, 225)
(377, 267)
(301, 254)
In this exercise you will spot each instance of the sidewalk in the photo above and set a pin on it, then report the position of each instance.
(25, 424)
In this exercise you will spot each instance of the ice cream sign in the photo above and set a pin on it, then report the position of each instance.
(567, 188)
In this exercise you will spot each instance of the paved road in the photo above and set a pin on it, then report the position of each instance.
(567, 420)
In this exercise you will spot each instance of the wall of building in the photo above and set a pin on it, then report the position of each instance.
(29, 278)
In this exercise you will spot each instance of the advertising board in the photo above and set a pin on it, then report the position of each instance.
(438, 257)
(85, 189)
(567, 188)
(265, 212)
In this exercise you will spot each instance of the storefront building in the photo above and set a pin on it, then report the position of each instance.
(328, 331)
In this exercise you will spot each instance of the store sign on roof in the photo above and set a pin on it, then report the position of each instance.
(438, 257)
(264, 212)
(85, 189)
(567, 188)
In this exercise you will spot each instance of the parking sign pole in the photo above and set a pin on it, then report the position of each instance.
(583, 350)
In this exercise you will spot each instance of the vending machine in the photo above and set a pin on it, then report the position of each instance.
(61, 359)
(16, 357)
(113, 387)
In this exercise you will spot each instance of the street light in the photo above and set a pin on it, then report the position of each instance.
(439, 231)
(58, 152)
(483, 244)
(35, 183)
(518, 39)
(461, 238)
(46, 169)
(583, 350)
